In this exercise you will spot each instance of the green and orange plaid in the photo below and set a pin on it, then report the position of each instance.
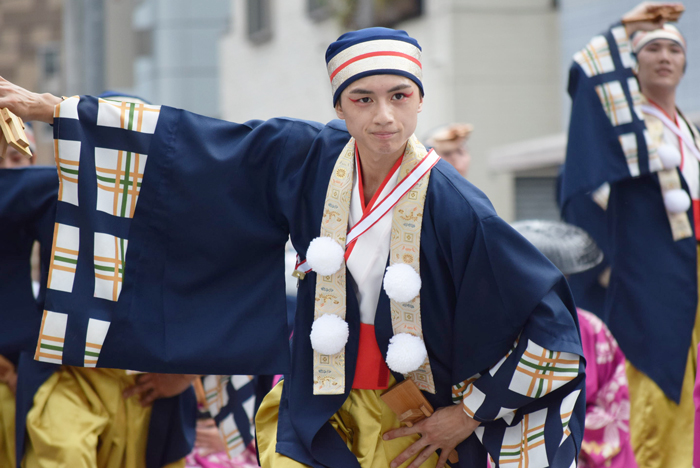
(67, 156)
(52, 336)
(232, 436)
(64, 257)
(110, 252)
(96, 333)
(128, 115)
(541, 371)
(524, 444)
(119, 176)
(595, 58)
(614, 102)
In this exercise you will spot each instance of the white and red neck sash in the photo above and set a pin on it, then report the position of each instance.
(407, 199)
(379, 209)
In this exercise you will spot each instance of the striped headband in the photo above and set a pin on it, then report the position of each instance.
(670, 32)
(373, 51)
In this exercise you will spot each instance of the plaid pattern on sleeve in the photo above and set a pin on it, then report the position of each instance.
(595, 58)
(614, 102)
(509, 400)
(119, 175)
(51, 337)
(541, 371)
(128, 115)
(64, 257)
(231, 402)
(102, 176)
(110, 252)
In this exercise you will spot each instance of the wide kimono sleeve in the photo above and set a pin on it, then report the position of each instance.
(531, 402)
(607, 140)
(27, 213)
(517, 361)
(171, 240)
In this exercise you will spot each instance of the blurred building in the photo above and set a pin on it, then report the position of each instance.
(30, 53)
(493, 63)
(534, 163)
(176, 48)
(162, 50)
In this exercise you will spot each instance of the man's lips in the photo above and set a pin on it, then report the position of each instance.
(383, 135)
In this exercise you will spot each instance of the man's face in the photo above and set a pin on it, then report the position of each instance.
(14, 159)
(381, 112)
(455, 152)
(661, 65)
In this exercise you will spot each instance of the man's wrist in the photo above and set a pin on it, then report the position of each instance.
(47, 104)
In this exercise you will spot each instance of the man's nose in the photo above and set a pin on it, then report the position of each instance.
(384, 114)
(665, 55)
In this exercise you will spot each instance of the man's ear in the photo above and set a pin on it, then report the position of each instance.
(420, 104)
(339, 110)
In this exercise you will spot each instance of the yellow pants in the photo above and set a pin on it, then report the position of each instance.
(661, 430)
(7, 427)
(80, 420)
(361, 422)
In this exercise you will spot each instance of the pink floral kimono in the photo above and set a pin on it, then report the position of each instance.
(606, 441)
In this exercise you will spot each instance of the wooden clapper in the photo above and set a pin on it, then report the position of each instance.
(13, 131)
(667, 12)
(410, 406)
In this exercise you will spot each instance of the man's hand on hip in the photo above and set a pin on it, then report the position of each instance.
(443, 430)
(149, 387)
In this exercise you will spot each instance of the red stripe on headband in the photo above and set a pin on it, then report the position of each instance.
(375, 54)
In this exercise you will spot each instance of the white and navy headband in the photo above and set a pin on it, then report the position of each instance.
(373, 51)
(668, 31)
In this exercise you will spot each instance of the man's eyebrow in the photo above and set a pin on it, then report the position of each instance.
(367, 91)
(399, 87)
(360, 91)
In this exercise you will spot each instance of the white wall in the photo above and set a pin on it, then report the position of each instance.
(493, 63)
(583, 19)
(183, 67)
(283, 77)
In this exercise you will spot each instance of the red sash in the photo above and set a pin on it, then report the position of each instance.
(696, 218)
(371, 372)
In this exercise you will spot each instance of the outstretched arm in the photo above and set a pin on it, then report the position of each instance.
(26, 104)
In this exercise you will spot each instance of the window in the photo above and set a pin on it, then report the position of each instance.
(49, 67)
(365, 13)
(259, 21)
(535, 198)
(318, 9)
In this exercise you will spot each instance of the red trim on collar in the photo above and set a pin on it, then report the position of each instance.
(366, 207)
(371, 371)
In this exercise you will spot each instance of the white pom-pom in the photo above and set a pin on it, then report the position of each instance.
(401, 282)
(677, 201)
(670, 156)
(329, 334)
(324, 256)
(406, 353)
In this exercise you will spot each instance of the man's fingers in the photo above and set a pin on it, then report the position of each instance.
(143, 378)
(412, 449)
(400, 432)
(137, 389)
(444, 454)
(148, 398)
(423, 456)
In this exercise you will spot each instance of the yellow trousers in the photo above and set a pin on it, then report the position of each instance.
(7, 426)
(661, 430)
(80, 420)
(361, 422)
